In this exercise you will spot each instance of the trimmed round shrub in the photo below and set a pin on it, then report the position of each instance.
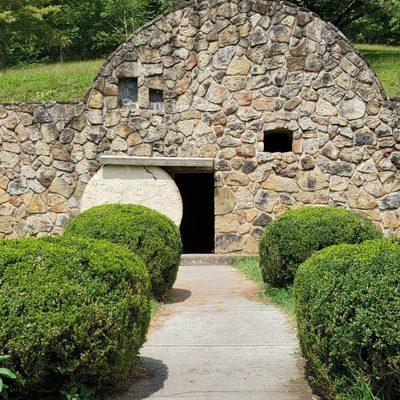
(149, 234)
(348, 312)
(76, 314)
(297, 234)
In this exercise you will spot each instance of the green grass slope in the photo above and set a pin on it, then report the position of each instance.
(385, 60)
(70, 81)
(62, 81)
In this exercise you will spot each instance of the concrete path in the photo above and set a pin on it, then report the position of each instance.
(215, 341)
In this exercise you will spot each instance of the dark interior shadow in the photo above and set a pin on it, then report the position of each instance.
(148, 378)
(176, 295)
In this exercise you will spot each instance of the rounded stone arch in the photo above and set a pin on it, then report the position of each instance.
(126, 52)
(278, 43)
(229, 71)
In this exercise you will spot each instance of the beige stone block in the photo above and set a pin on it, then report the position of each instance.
(338, 183)
(217, 93)
(95, 99)
(251, 245)
(358, 198)
(226, 223)
(281, 184)
(228, 36)
(142, 150)
(244, 98)
(239, 66)
(390, 220)
(237, 179)
(234, 83)
(38, 204)
(225, 200)
(245, 228)
(251, 215)
(312, 180)
(264, 104)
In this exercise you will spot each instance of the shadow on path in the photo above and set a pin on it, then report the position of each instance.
(177, 296)
(152, 377)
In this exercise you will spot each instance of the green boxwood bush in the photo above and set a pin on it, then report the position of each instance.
(297, 234)
(149, 234)
(75, 312)
(348, 312)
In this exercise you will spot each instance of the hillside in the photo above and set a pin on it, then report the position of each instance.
(70, 81)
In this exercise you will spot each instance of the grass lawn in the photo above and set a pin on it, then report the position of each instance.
(62, 81)
(283, 297)
(70, 81)
(385, 60)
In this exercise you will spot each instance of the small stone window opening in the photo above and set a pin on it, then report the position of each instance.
(127, 91)
(278, 141)
(156, 97)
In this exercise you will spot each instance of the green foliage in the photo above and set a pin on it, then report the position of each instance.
(365, 21)
(5, 373)
(27, 22)
(77, 392)
(348, 313)
(63, 81)
(149, 234)
(284, 297)
(297, 234)
(71, 81)
(385, 60)
(111, 21)
(72, 311)
(49, 30)
(360, 390)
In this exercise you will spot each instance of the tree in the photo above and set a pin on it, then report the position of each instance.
(94, 28)
(361, 20)
(343, 12)
(28, 21)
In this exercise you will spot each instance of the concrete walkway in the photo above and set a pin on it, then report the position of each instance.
(215, 341)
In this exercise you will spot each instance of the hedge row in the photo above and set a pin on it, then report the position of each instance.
(151, 235)
(348, 312)
(347, 295)
(297, 234)
(76, 310)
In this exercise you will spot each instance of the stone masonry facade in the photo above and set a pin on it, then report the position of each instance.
(229, 71)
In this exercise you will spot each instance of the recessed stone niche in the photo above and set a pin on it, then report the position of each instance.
(278, 141)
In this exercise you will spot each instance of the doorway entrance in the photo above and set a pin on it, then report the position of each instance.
(197, 227)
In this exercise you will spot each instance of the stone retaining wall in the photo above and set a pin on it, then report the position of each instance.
(229, 71)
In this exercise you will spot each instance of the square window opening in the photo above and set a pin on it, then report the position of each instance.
(278, 141)
(127, 91)
(156, 97)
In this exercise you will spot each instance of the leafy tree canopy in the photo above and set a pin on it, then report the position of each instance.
(49, 30)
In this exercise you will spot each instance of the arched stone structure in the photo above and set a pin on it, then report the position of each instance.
(229, 72)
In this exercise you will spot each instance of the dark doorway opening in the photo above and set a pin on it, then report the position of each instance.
(197, 227)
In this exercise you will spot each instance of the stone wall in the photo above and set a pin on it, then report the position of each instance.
(43, 169)
(229, 71)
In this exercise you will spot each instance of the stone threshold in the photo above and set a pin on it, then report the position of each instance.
(210, 259)
(195, 162)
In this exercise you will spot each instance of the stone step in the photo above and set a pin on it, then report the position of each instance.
(209, 259)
